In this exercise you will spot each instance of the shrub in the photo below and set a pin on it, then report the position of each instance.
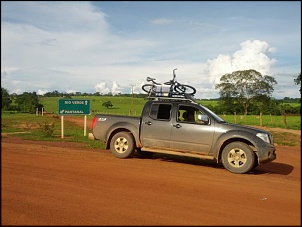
(47, 129)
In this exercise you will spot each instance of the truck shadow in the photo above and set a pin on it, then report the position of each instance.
(274, 167)
(271, 167)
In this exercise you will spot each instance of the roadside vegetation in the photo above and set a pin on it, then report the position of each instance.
(44, 128)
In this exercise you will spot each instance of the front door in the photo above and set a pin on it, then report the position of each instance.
(190, 134)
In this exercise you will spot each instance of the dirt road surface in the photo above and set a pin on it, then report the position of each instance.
(62, 183)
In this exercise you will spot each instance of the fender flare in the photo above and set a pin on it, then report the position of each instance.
(235, 135)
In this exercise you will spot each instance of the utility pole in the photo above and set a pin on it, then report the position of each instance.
(131, 112)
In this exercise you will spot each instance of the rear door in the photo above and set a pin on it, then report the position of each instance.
(156, 126)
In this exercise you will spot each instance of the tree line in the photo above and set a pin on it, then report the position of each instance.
(243, 92)
(248, 91)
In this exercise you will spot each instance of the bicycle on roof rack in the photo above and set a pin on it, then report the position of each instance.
(171, 88)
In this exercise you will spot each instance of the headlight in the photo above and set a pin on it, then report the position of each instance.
(264, 137)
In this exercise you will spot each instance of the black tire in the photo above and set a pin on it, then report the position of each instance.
(122, 145)
(238, 157)
(185, 89)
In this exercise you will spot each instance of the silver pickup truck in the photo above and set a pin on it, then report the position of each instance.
(165, 127)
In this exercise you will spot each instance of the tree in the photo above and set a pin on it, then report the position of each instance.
(6, 100)
(298, 81)
(28, 102)
(107, 104)
(245, 86)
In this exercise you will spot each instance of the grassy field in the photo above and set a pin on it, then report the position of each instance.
(45, 128)
(292, 122)
(129, 106)
(121, 105)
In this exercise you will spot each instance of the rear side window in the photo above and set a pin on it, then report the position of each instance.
(160, 111)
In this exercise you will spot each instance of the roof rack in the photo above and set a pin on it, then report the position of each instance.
(184, 97)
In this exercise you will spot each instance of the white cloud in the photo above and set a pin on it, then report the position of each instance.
(105, 88)
(252, 55)
(115, 88)
(101, 87)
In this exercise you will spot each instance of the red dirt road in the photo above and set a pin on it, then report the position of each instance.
(61, 183)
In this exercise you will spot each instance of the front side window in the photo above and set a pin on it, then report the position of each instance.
(189, 114)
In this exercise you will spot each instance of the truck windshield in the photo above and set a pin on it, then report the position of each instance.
(217, 118)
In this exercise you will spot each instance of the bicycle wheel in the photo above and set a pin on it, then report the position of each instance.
(184, 89)
(147, 88)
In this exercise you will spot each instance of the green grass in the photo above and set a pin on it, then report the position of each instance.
(208, 102)
(45, 128)
(286, 139)
(272, 121)
(121, 105)
(292, 104)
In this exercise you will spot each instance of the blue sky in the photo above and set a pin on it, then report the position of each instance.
(113, 45)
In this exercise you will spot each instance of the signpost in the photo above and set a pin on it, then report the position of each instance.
(74, 107)
(71, 107)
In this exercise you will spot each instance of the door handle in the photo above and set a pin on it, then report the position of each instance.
(177, 126)
(148, 123)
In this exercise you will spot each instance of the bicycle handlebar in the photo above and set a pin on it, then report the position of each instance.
(149, 79)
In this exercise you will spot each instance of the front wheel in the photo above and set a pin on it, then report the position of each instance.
(238, 157)
(122, 145)
(185, 89)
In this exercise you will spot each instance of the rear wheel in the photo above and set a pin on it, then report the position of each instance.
(122, 145)
(238, 157)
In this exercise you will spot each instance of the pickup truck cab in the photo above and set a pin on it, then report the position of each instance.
(164, 127)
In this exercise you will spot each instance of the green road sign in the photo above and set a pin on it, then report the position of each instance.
(74, 107)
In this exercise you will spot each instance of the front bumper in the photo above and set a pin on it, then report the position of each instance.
(267, 154)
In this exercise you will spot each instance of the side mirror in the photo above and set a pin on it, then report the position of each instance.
(204, 118)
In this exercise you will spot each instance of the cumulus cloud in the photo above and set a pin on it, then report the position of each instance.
(116, 88)
(105, 88)
(252, 55)
(101, 87)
